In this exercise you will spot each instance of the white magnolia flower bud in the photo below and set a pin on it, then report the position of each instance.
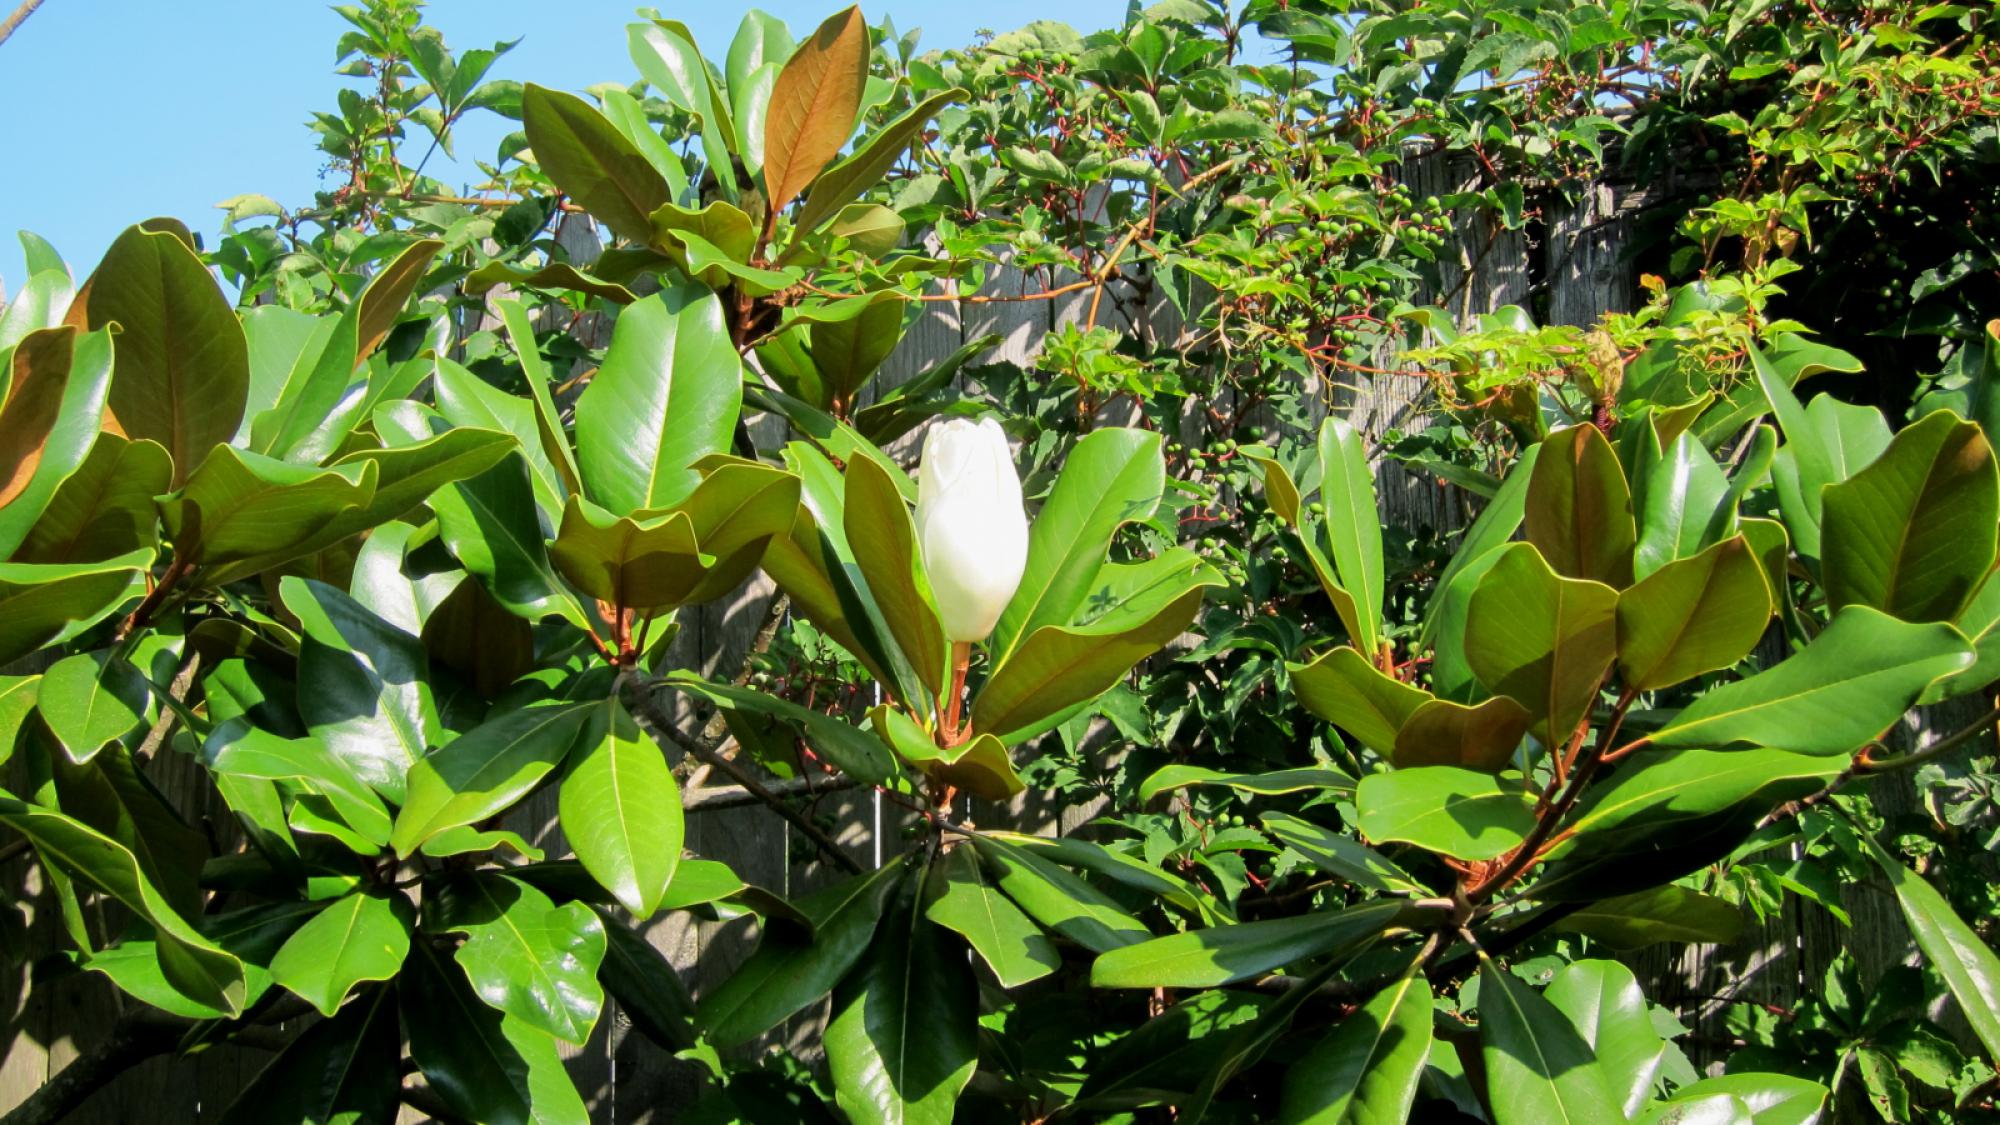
(971, 526)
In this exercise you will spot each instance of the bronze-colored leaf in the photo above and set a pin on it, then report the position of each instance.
(813, 106)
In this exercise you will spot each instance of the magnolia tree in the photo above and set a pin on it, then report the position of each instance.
(381, 585)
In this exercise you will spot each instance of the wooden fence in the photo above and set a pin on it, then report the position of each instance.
(1572, 256)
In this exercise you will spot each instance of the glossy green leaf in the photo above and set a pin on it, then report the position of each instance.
(493, 527)
(191, 962)
(555, 275)
(665, 53)
(876, 516)
(406, 475)
(39, 303)
(17, 703)
(237, 749)
(761, 39)
(242, 512)
(1604, 1005)
(1771, 1099)
(1914, 533)
(1579, 508)
(182, 369)
(1112, 477)
(484, 1066)
(1445, 617)
(364, 685)
(42, 603)
(91, 700)
(903, 1038)
(854, 751)
(1139, 607)
(484, 771)
(666, 396)
(340, 1069)
(1833, 696)
(848, 351)
(1692, 615)
(621, 811)
(1304, 779)
(813, 105)
(1538, 1069)
(786, 973)
(308, 424)
(979, 765)
(1662, 817)
(1461, 813)
(1686, 504)
(532, 960)
(1353, 529)
(1662, 914)
(592, 162)
(1951, 948)
(646, 985)
(1847, 438)
(1211, 958)
(1058, 899)
(1483, 736)
(1367, 1068)
(469, 402)
(1346, 689)
(962, 900)
(640, 564)
(103, 509)
(48, 425)
(1341, 856)
(1542, 639)
(361, 937)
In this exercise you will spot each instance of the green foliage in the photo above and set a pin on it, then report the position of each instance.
(1369, 803)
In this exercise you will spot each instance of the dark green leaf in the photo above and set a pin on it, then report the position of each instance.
(592, 162)
(1211, 958)
(534, 961)
(1832, 697)
(1461, 813)
(182, 371)
(667, 396)
(1909, 534)
(1367, 1069)
(484, 771)
(962, 900)
(785, 974)
(1541, 639)
(340, 1069)
(43, 603)
(1579, 508)
(621, 811)
(364, 685)
(903, 1038)
(1538, 1069)
(361, 937)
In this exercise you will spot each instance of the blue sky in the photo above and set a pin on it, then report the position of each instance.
(118, 110)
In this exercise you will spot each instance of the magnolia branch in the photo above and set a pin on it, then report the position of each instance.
(19, 16)
(645, 705)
